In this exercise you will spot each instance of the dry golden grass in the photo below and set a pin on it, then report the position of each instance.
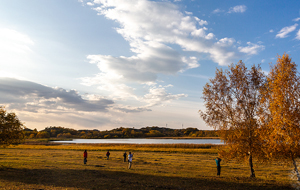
(182, 148)
(61, 167)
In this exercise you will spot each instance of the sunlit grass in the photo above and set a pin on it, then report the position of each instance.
(61, 167)
(183, 148)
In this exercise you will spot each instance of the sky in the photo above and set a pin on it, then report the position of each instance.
(104, 64)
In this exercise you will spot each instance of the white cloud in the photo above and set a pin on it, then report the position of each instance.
(159, 96)
(192, 62)
(271, 31)
(16, 37)
(223, 56)
(16, 52)
(199, 32)
(201, 22)
(152, 58)
(298, 35)
(188, 13)
(217, 11)
(40, 106)
(33, 97)
(283, 33)
(237, 9)
(130, 109)
(150, 27)
(198, 76)
(296, 19)
(226, 42)
(90, 4)
(251, 49)
(110, 83)
(147, 21)
(14, 43)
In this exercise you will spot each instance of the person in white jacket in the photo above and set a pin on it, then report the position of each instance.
(130, 160)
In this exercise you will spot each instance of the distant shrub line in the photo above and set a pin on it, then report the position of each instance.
(146, 132)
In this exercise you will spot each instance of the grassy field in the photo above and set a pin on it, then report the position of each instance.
(161, 167)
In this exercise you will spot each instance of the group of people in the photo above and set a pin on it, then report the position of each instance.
(130, 156)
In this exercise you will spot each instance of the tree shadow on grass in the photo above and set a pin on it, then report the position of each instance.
(102, 179)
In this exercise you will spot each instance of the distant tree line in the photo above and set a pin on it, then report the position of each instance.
(61, 132)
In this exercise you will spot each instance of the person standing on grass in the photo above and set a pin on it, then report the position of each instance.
(107, 154)
(124, 155)
(218, 162)
(85, 157)
(130, 160)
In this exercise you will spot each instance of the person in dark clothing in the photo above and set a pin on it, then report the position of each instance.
(107, 155)
(125, 156)
(85, 157)
(218, 162)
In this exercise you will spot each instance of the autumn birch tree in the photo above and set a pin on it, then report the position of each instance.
(232, 100)
(282, 121)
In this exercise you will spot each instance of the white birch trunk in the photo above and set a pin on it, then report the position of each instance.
(296, 169)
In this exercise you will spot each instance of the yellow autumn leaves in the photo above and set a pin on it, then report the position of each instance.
(258, 116)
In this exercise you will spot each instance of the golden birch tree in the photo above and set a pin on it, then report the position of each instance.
(282, 120)
(232, 100)
(11, 128)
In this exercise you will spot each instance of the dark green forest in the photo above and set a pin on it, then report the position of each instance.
(146, 132)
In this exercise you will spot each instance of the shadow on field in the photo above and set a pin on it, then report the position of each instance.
(102, 179)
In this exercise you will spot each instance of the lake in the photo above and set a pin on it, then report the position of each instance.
(144, 141)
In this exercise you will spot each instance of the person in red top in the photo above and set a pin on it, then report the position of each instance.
(85, 157)
(107, 155)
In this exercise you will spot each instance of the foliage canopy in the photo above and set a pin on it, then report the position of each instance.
(11, 128)
(281, 96)
(232, 101)
(258, 116)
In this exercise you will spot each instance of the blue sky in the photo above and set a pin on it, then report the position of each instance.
(135, 63)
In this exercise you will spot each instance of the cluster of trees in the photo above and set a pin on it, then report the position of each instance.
(61, 132)
(257, 115)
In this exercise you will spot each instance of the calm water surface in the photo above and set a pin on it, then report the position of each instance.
(146, 141)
